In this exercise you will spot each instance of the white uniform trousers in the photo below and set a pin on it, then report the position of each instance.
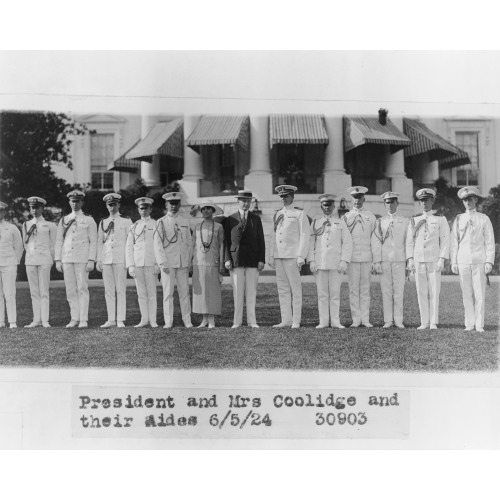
(244, 281)
(8, 276)
(76, 279)
(392, 283)
(289, 290)
(473, 284)
(145, 282)
(328, 282)
(179, 275)
(115, 290)
(359, 291)
(428, 282)
(39, 281)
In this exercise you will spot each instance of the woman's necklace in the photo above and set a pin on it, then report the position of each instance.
(205, 246)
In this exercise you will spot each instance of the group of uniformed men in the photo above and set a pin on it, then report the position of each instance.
(358, 244)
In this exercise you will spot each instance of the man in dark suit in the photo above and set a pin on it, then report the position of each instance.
(245, 254)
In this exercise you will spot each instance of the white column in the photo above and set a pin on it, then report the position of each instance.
(335, 179)
(259, 179)
(150, 172)
(395, 169)
(430, 172)
(193, 166)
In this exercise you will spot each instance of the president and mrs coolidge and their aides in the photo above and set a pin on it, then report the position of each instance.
(358, 244)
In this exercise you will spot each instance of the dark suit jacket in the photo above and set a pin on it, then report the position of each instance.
(244, 248)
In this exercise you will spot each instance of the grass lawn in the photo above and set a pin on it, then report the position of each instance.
(447, 349)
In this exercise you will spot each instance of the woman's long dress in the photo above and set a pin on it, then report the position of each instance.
(206, 266)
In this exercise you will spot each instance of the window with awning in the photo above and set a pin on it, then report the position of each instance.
(298, 145)
(165, 138)
(426, 141)
(223, 142)
(368, 140)
(121, 164)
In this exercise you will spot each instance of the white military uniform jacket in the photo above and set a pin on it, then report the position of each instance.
(472, 239)
(330, 243)
(389, 239)
(11, 244)
(140, 243)
(428, 238)
(361, 224)
(291, 236)
(173, 241)
(111, 240)
(40, 246)
(80, 243)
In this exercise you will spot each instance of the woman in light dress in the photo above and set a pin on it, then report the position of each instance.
(208, 266)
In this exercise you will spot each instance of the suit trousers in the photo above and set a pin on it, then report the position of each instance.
(328, 282)
(289, 290)
(244, 281)
(392, 283)
(179, 275)
(39, 281)
(115, 290)
(473, 284)
(145, 282)
(428, 283)
(359, 291)
(76, 279)
(8, 276)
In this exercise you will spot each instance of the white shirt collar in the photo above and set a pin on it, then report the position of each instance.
(77, 214)
(145, 219)
(39, 219)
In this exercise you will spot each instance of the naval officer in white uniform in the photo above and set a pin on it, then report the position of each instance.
(472, 256)
(330, 249)
(389, 258)
(173, 245)
(361, 224)
(11, 251)
(141, 262)
(75, 254)
(288, 251)
(39, 238)
(427, 248)
(111, 239)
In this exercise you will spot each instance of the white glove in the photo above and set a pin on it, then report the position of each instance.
(313, 267)
(98, 266)
(454, 268)
(90, 266)
(156, 269)
(377, 268)
(343, 267)
(300, 262)
(272, 264)
(411, 265)
(131, 271)
(227, 264)
(487, 268)
(260, 266)
(440, 265)
(59, 266)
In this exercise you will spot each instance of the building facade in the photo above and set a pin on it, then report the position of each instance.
(213, 156)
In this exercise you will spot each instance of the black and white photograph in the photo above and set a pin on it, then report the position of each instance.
(248, 250)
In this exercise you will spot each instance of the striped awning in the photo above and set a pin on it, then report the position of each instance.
(165, 138)
(121, 164)
(361, 130)
(424, 140)
(220, 130)
(457, 160)
(297, 129)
